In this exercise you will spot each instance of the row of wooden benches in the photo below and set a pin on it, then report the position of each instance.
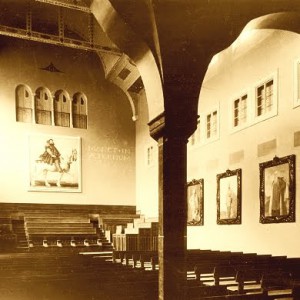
(69, 276)
(62, 228)
(194, 256)
(140, 235)
(95, 271)
(238, 272)
(78, 242)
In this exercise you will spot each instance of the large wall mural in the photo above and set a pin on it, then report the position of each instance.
(54, 163)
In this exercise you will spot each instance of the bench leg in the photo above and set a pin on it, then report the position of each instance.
(152, 264)
(241, 287)
(134, 261)
(142, 261)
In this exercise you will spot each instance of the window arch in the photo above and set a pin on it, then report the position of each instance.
(62, 109)
(43, 106)
(79, 111)
(24, 101)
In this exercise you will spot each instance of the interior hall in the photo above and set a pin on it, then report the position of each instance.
(149, 149)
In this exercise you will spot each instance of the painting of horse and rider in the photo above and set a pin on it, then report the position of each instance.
(55, 163)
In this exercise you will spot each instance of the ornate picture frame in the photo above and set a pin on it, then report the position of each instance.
(195, 202)
(54, 163)
(229, 194)
(277, 190)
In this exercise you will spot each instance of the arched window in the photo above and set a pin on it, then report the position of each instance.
(24, 101)
(79, 111)
(43, 106)
(62, 109)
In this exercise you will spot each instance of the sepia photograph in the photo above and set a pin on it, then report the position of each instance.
(277, 190)
(116, 116)
(195, 195)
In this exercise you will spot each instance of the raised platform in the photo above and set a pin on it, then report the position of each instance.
(62, 225)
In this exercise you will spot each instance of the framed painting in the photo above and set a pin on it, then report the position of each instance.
(195, 203)
(54, 163)
(229, 197)
(277, 190)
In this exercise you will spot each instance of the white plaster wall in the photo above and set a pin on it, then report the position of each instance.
(146, 176)
(240, 72)
(106, 179)
(233, 78)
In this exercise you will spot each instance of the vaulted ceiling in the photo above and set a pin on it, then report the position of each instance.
(70, 23)
(182, 37)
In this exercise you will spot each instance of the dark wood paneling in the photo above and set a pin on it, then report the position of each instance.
(21, 208)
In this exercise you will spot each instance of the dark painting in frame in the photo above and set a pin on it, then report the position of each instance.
(229, 197)
(195, 202)
(277, 190)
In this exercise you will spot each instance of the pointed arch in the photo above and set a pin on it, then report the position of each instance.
(124, 37)
(288, 21)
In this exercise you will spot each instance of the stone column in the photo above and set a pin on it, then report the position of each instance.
(172, 209)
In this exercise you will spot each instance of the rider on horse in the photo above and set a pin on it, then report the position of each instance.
(51, 155)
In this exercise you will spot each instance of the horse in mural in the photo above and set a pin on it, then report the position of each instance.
(42, 170)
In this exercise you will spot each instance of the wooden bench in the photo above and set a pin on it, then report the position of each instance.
(198, 256)
(276, 284)
(111, 221)
(198, 292)
(60, 229)
(56, 219)
(137, 256)
(254, 296)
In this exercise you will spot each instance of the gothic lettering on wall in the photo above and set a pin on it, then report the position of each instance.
(229, 197)
(195, 202)
(54, 163)
(277, 190)
(107, 153)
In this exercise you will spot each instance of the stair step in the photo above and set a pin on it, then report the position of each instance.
(19, 229)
